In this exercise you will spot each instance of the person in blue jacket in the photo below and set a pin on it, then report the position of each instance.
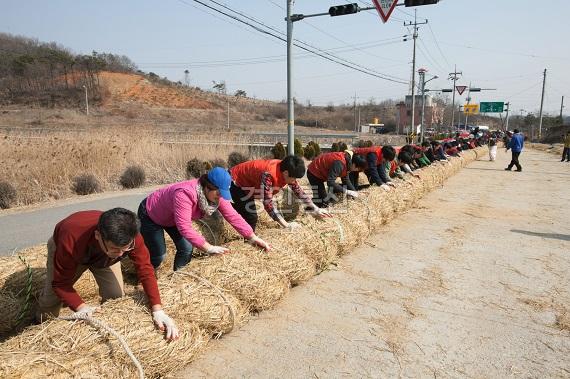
(516, 145)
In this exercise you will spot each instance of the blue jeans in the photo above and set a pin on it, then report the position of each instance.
(153, 235)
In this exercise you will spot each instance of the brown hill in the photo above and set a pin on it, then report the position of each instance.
(121, 87)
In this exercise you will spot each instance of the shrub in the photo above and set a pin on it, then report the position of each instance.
(8, 195)
(85, 184)
(218, 162)
(278, 151)
(316, 148)
(309, 152)
(133, 177)
(236, 158)
(298, 148)
(196, 168)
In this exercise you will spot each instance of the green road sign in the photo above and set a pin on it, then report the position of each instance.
(492, 107)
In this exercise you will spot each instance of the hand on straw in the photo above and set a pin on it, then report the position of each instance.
(85, 310)
(256, 241)
(163, 322)
(211, 249)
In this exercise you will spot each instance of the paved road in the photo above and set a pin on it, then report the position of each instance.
(472, 284)
(19, 230)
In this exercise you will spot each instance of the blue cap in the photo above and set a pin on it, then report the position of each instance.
(219, 177)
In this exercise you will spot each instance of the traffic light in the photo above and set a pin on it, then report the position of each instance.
(418, 3)
(447, 90)
(474, 89)
(341, 10)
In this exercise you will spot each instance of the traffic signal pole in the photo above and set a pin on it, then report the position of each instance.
(415, 36)
(290, 105)
(541, 105)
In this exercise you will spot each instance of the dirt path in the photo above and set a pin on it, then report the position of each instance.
(474, 283)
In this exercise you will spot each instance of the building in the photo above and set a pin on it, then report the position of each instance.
(433, 113)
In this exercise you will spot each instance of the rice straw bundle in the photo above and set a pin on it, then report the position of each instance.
(60, 348)
(191, 299)
(240, 273)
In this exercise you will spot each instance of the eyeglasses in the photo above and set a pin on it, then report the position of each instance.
(125, 250)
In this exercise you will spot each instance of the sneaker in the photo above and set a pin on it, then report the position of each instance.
(517, 170)
(507, 169)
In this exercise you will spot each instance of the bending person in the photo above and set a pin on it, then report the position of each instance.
(262, 179)
(327, 168)
(97, 241)
(171, 209)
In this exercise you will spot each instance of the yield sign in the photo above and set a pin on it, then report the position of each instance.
(461, 89)
(385, 8)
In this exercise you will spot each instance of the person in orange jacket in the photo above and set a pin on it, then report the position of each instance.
(262, 179)
(327, 168)
(377, 169)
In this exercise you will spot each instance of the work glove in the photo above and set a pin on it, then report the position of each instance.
(320, 213)
(162, 322)
(392, 184)
(86, 311)
(293, 225)
(256, 241)
(385, 187)
(352, 194)
(217, 250)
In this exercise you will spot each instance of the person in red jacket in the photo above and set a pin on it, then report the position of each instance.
(262, 179)
(327, 168)
(377, 169)
(98, 241)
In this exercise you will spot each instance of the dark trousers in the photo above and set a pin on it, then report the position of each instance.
(566, 154)
(244, 204)
(321, 197)
(153, 235)
(515, 161)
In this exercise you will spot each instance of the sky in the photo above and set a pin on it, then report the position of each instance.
(500, 45)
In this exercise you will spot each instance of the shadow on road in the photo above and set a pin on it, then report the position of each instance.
(558, 236)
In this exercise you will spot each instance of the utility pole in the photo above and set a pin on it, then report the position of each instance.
(290, 109)
(415, 36)
(453, 76)
(468, 100)
(354, 114)
(507, 121)
(86, 101)
(561, 107)
(541, 105)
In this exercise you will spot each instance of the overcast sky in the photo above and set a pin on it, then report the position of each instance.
(502, 44)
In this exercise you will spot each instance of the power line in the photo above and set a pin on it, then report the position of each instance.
(439, 48)
(310, 49)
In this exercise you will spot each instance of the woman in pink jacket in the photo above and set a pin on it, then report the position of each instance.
(173, 208)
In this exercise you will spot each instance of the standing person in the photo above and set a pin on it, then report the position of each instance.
(97, 241)
(566, 151)
(376, 169)
(516, 145)
(492, 149)
(173, 208)
(327, 168)
(262, 179)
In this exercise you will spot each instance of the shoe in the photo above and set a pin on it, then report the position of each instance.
(507, 169)
(518, 170)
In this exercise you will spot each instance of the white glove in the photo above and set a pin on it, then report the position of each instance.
(86, 310)
(217, 250)
(352, 194)
(392, 184)
(162, 321)
(256, 241)
(293, 225)
(321, 213)
(385, 187)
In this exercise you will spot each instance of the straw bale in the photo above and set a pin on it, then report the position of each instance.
(191, 299)
(216, 229)
(63, 349)
(258, 286)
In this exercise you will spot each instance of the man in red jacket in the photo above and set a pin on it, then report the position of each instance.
(327, 168)
(97, 241)
(264, 178)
